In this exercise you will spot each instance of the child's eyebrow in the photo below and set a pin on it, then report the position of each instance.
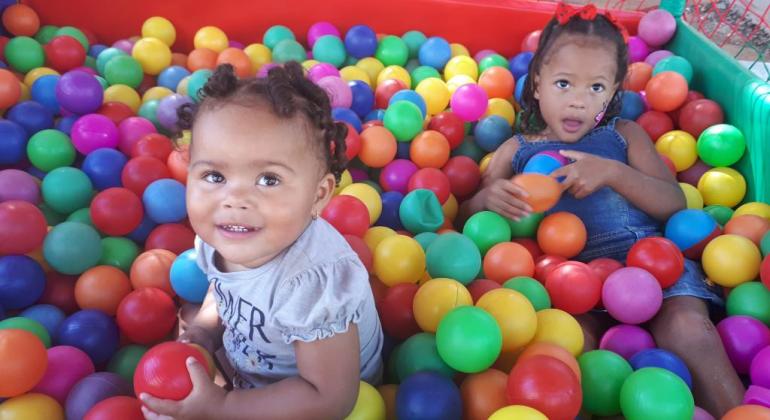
(206, 163)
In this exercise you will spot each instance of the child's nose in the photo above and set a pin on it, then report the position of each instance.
(235, 201)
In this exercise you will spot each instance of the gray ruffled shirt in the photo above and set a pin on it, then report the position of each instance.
(310, 291)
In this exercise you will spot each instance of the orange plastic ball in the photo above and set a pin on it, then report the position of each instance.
(177, 163)
(666, 91)
(179, 59)
(21, 20)
(23, 361)
(497, 82)
(507, 260)
(544, 191)
(201, 58)
(151, 269)
(562, 234)
(378, 147)
(549, 349)
(430, 149)
(748, 411)
(10, 89)
(238, 59)
(638, 75)
(750, 226)
(483, 393)
(102, 287)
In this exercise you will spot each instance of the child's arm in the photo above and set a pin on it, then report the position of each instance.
(327, 387)
(645, 181)
(497, 192)
(205, 329)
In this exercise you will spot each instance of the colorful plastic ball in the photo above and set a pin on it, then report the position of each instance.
(414, 41)
(399, 259)
(395, 175)
(469, 339)
(171, 76)
(187, 279)
(435, 94)
(378, 147)
(93, 132)
(688, 228)
(533, 290)
(483, 394)
(32, 405)
(639, 75)
(392, 50)
(275, 34)
(428, 395)
(123, 407)
(124, 70)
(72, 248)
(692, 196)
(655, 393)
(544, 163)
(18, 185)
(464, 175)
(22, 280)
(680, 147)
(657, 27)
(632, 295)
(146, 315)
(562, 234)
(404, 119)
(450, 125)
(748, 411)
(517, 412)
(329, 49)
(693, 174)
(487, 229)
(660, 257)
(435, 52)
(91, 331)
(125, 360)
(361, 41)
(66, 189)
(391, 204)
(558, 327)
(93, 389)
(544, 192)
(66, 366)
(603, 374)
(167, 110)
(162, 371)
(43, 91)
(103, 167)
(666, 91)
(152, 54)
(507, 260)
(632, 105)
(573, 287)
(103, 288)
(663, 359)
(721, 214)
(396, 311)
(34, 117)
(721, 145)
(347, 214)
(520, 83)
(160, 28)
(700, 114)
(14, 142)
(675, 64)
(362, 100)
(519, 64)
(27, 324)
(469, 102)
(164, 201)
(546, 384)
(48, 316)
(436, 298)
(21, 20)
(431, 179)
(210, 37)
(419, 353)
(638, 50)
(655, 123)
(64, 53)
(490, 132)
(23, 361)
(749, 226)
(410, 96)
(23, 54)
(760, 374)
(730, 260)
(50, 149)
(454, 256)
(514, 314)
(421, 211)
(369, 196)
(626, 340)
(140, 172)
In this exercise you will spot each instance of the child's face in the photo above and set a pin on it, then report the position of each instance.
(253, 184)
(575, 84)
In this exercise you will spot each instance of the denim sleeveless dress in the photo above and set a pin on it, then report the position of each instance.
(612, 222)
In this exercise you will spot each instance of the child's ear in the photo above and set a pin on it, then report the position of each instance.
(324, 193)
(536, 93)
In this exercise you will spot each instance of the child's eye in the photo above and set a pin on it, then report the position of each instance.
(562, 84)
(213, 177)
(268, 180)
(597, 88)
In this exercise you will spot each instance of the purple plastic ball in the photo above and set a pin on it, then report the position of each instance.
(79, 92)
(92, 389)
(320, 29)
(321, 70)
(125, 45)
(337, 90)
(656, 56)
(626, 340)
(743, 338)
(701, 414)
(657, 27)
(757, 395)
(88, 70)
(131, 130)
(18, 185)
(94, 131)
(760, 368)
(235, 44)
(483, 54)
(167, 108)
(469, 102)
(395, 175)
(632, 295)
(358, 175)
(638, 50)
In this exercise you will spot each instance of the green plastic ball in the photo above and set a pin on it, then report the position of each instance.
(330, 49)
(722, 214)
(413, 41)
(676, 64)
(470, 149)
(196, 82)
(526, 227)
(487, 229)
(423, 72)
(289, 50)
(52, 218)
(46, 33)
(275, 34)
(655, 393)
(750, 299)
(81, 216)
(469, 339)
(492, 60)
(350, 60)
(72, 248)
(764, 244)
(425, 239)
(75, 33)
(119, 252)
(419, 353)
(602, 375)
(27, 324)
(24, 54)
(455, 256)
(403, 119)
(50, 149)
(106, 56)
(123, 70)
(392, 51)
(721, 145)
(90, 62)
(532, 289)
(391, 367)
(67, 189)
(125, 360)
(148, 111)
(420, 211)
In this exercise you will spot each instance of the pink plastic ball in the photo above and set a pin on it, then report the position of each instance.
(657, 27)
(321, 70)
(760, 368)
(235, 44)
(482, 55)
(469, 102)
(626, 340)
(656, 56)
(124, 44)
(18, 185)
(757, 395)
(743, 338)
(395, 175)
(94, 131)
(320, 29)
(701, 414)
(66, 366)
(88, 70)
(632, 295)
(132, 130)
(638, 50)
(337, 90)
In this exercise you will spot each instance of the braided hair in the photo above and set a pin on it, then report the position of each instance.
(289, 93)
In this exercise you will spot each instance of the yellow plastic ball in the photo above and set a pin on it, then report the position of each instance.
(181, 88)
(371, 66)
(31, 406)
(369, 196)
(37, 73)
(450, 207)
(722, 186)
(692, 196)
(369, 405)
(459, 49)
(156, 93)
(185, 139)
(212, 38)
(461, 79)
(484, 164)
(160, 28)
(259, 55)
(308, 64)
(399, 259)
(679, 146)
(25, 94)
(517, 412)
(123, 94)
(461, 64)
(395, 72)
(152, 54)
(436, 298)
(350, 73)
(345, 180)
(756, 208)
(502, 108)
(435, 93)
(558, 327)
(730, 260)
(375, 234)
(514, 314)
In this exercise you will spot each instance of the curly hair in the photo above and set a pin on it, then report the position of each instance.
(289, 93)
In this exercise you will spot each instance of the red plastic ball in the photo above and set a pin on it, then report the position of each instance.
(603, 267)
(693, 174)
(700, 114)
(60, 291)
(529, 43)
(545, 384)
(64, 53)
(146, 315)
(464, 176)
(694, 252)
(431, 179)
(153, 145)
(115, 111)
(352, 142)
(363, 251)
(116, 211)
(162, 371)
(655, 124)
(764, 271)
(661, 257)
(531, 245)
(545, 264)
(120, 407)
(450, 125)
(22, 227)
(479, 287)
(396, 311)
(385, 90)
(347, 214)
(574, 287)
(141, 171)
(174, 237)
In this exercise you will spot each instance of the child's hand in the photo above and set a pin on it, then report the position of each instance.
(200, 336)
(586, 174)
(506, 198)
(204, 399)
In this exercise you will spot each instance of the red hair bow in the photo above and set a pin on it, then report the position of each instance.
(565, 12)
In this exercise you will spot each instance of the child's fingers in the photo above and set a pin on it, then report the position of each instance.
(158, 406)
(198, 373)
(514, 189)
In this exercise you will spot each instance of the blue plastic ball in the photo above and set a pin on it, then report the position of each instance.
(96, 49)
(541, 164)
(363, 98)
(520, 88)
(171, 76)
(48, 316)
(187, 279)
(92, 331)
(662, 359)
(491, 132)
(31, 115)
(13, 142)
(43, 91)
(164, 201)
(428, 395)
(375, 115)
(519, 64)
(142, 231)
(686, 228)
(2, 313)
(391, 202)
(22, 281)
(104, 166)
(632, 105)
(435, 52)
(403, 150)
(411, 96)
(65, 124)
(361, 41)
(348, 116)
